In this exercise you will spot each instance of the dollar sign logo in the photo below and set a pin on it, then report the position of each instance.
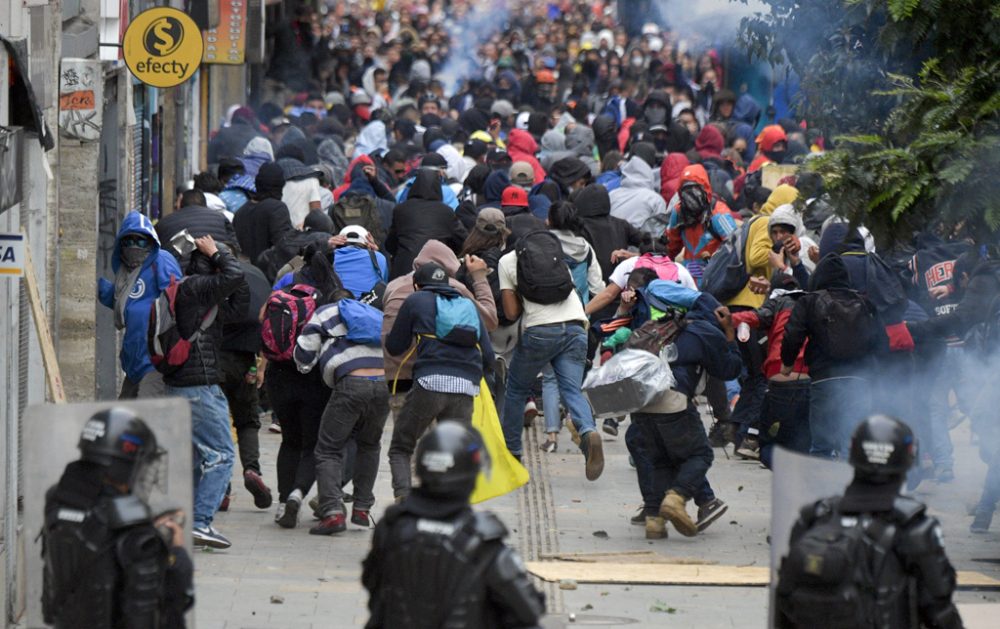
(163, 36)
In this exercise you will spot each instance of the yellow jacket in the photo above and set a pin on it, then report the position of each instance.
(758, 246)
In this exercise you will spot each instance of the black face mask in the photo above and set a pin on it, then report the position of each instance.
(775, 156)
(655, 115)
(694, 204)
(133, 256)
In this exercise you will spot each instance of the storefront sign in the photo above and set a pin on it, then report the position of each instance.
(162, 47)
(11, 255)
(226, 43)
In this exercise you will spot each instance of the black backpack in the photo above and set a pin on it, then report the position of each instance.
(542, 273)
(358, 209)
(831, 574)
(726, 273)
(845, 324)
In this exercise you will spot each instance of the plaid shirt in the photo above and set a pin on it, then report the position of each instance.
(440, 383)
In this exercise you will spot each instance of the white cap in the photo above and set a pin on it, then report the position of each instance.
(356, 235)
(521, 122)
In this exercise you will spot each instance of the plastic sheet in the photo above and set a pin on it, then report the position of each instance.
(630, 380)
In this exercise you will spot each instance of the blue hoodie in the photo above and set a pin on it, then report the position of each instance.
(448, 196)
(153, 279)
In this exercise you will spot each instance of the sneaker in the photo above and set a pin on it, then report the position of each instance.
(674, 509)
(280, 513)
(362, 517)
(255, 485)
(330, 525)
(750, 448)
(945, 475)
(530, 413)
(314, 505)
(715, 437)
(656, 527)
(289, 516)
(709, 513)
(549, 446)
(639, 519)
(208, 536)
(274, 427)
(593, 455)
(982, 521)
(225, 503)
(611, 426)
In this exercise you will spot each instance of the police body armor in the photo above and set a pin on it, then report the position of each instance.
(441, 570)
(104, 564)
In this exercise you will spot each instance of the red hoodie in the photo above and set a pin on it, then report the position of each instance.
(710, 143)
(342, 188)
(769, 136)
(522, 148)
(677, 235)
(670, 174)
(774, 316)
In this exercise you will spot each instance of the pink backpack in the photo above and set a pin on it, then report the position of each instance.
(285, 314)
(665, 268)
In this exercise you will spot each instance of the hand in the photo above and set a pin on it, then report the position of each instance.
(621, 254)
(793, 246)
(724, 317)
(494, 129)
(261, 369)
(168, 522)
(206, 245)
(759, 285)
(628, 296)
(369, 171)
(371, 242)
(337, 241)
(814, 254)
(776, 260)
(939, 292)
(475, 266)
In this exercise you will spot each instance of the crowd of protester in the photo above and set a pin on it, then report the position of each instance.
(399, 194)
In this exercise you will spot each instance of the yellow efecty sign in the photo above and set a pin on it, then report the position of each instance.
(162, 47)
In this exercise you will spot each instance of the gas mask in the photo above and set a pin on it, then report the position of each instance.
(694, 204)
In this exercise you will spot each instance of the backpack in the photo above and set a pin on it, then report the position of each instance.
(578, 270)
(542, 274)
(726, 273)
(845, 326)
(663, 265)
(363, 322)
(285, 314)
(375, 297)
(456, 321)
(358, 209)
(168, 350)
(831, 574)
(653, 336)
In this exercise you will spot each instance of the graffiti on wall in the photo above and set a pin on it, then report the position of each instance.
(81, 99)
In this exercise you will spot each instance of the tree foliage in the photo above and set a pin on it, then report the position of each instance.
(909, 90)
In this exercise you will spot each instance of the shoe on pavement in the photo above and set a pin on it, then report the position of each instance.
(208, 536)
(749, 449)
(530, 413)
(288, 517)
(656, 527)
(593, 454)
(674, 509)
(639, 519)
(611, 426)
(274, 427)
(981, 523)
(330, 525)
(362, 517)
(709, 513)
(255, 485)
(550, 445)
(314, 505)
(716, 438)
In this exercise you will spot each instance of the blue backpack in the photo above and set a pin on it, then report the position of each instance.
(578, 270)
(363, 322)
(457, 321)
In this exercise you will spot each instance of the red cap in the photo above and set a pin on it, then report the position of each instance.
(363, 112)
(545, 76)
(514, 196)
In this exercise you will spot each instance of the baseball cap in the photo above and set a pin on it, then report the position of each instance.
(545, 76)
(521, 122)
(491, 219)
(502, 108)
(356, 235)
(433, 160)
(430, 274)
(514, 196)
(522, 174)
(475, 149)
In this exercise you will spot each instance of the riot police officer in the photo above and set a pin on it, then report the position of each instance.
(435, 562)
(869, 558)
(108, 563)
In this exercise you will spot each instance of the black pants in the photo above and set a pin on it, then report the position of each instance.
(359, 407)
(298, 401)
(678, 452)
(753, 384)
(420, 409)
(785, 418)
(243, 403)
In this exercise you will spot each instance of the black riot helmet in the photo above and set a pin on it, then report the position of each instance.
(882, 449)
(120, 441)
(449, 458)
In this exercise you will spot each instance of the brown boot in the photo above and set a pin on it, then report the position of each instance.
(674, 509)
(594, 455)
(656, 527)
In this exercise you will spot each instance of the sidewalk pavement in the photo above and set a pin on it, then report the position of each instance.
(273, 578)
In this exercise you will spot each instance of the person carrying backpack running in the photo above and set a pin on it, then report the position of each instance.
(845, 335)
(451, 356)
(869, 558)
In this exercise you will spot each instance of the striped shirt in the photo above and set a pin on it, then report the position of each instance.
(323, 341)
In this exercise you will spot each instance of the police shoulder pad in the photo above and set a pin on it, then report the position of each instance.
(125, 511)
(906, 509)
(489, 526)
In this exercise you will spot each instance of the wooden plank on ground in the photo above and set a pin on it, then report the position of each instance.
(52, 374)
(686, 574)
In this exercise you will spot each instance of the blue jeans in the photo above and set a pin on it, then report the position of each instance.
(836, 407)
(551, 399)
(564, 345)
(213, 453)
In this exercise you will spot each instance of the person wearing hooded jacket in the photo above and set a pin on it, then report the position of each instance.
(605, 233)
(522, 148)
(698, 222)
(263, 222)
(580, 142)
(670, 174)
(142, 271)
(420, 218)
(435, 161)
(636, 200)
